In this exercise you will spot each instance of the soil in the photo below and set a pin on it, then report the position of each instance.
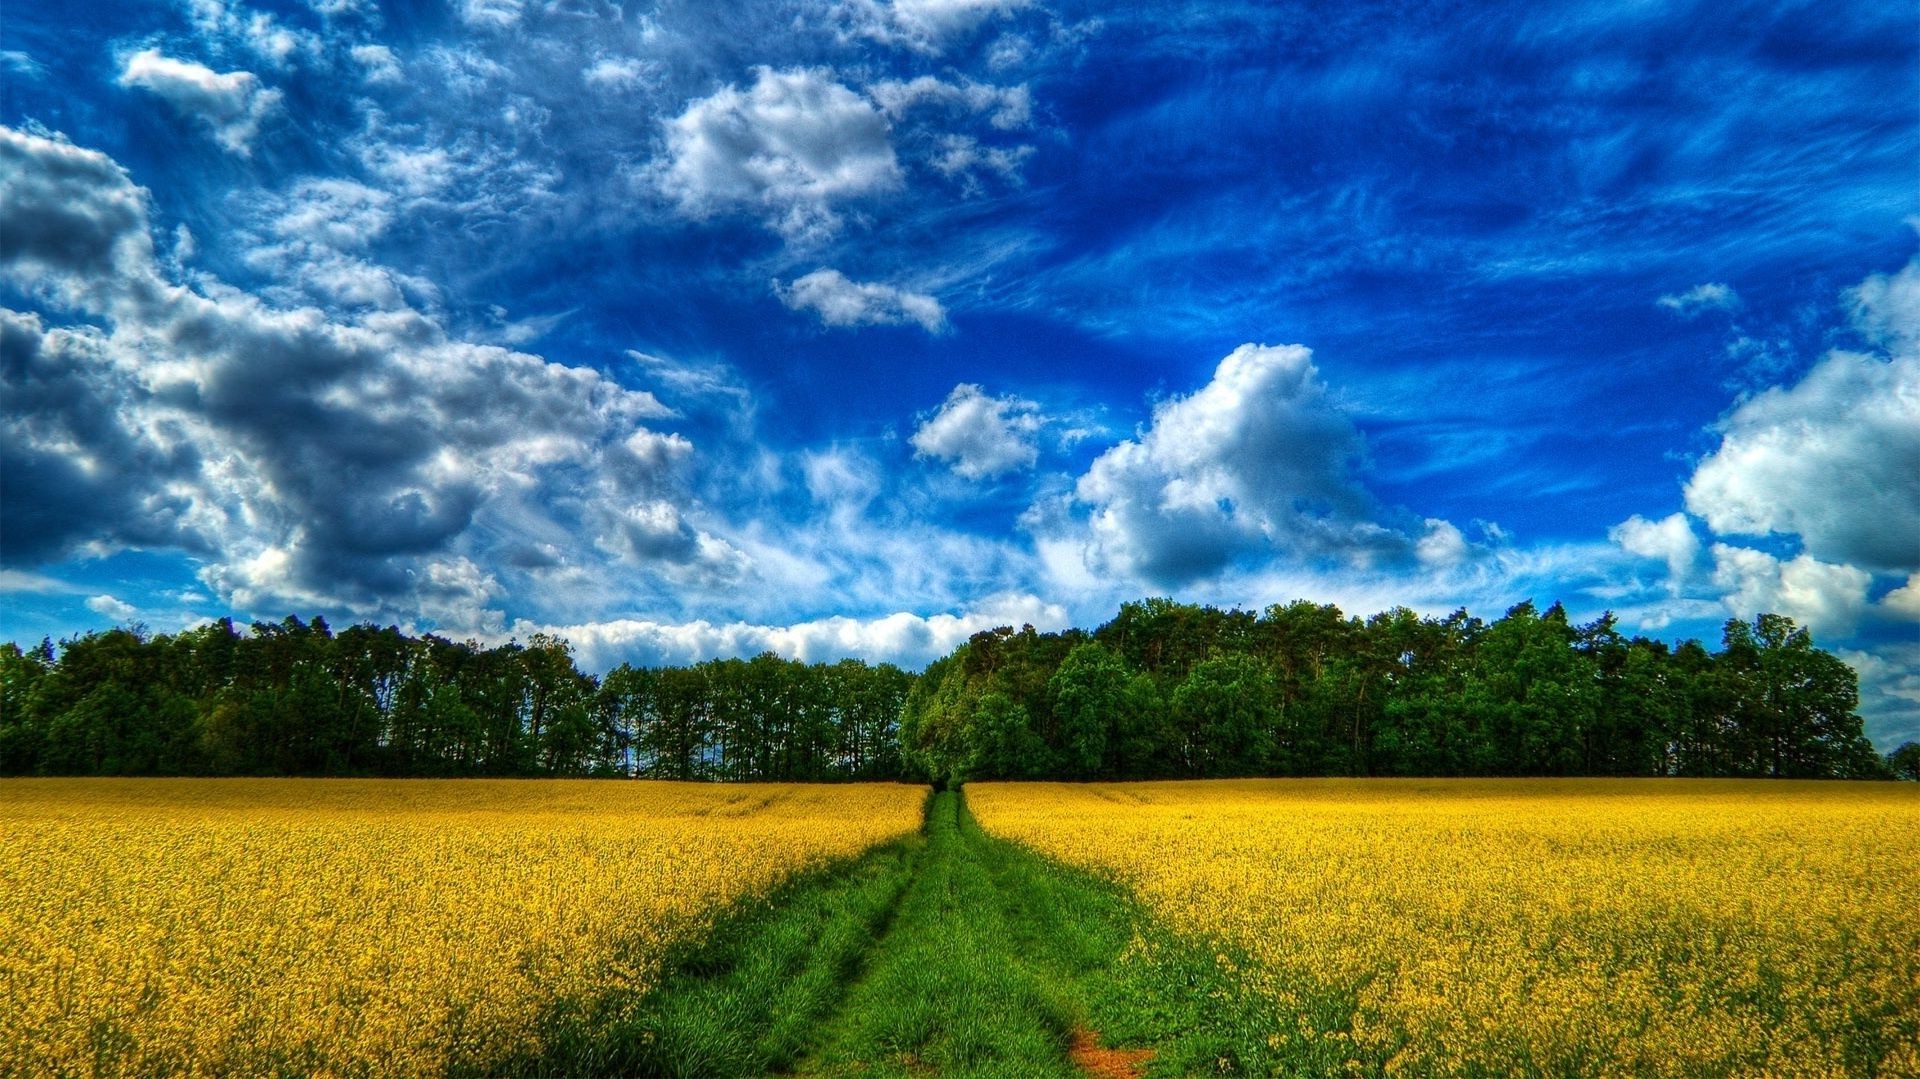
(1091, 1057)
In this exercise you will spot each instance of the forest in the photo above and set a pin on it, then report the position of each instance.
(1163, 690)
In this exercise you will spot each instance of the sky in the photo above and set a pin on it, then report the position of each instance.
(853, 327)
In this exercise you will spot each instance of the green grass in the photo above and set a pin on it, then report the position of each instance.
(951, 953)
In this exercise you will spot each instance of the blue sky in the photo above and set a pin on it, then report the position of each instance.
(849, 327)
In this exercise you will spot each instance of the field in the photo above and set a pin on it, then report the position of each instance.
(1533, 926)
(340, 927)
(1270, 927)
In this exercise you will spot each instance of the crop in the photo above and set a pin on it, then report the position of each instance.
(1527, 926)
(346, 927)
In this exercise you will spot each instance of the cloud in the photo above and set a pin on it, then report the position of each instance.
(22, 64)
(370, 463)
(232, 105)
(76, 223)
(618, 73)
(790, 148)
(910, 640)
(1256, 463)
(1904, 602)
(842, 302)
(118, 610)
(1827, 598)
(1007, 107)
(981, 437)
(924, 25)
(1889, 691)
(378, 63)
(343, 214)
(1701, 299)
(491, 14)
(1835, 458)
(1670, 539)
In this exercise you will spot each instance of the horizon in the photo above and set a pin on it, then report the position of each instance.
(852, 327)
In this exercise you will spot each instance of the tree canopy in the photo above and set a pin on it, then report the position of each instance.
(1164, 689)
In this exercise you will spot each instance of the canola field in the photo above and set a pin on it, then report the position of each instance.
(1495, 927)
(345, 927)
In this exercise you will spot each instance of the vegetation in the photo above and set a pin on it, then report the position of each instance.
(1331, 926)
(1170, 690)
(1535, 927)
(370, 927)
(951, 954)
(1163, 690)
(294, 698)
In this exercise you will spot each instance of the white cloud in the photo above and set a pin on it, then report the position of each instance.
(1700, 299)
(843, 302)
(339, 213)
(618, 73)
(910, 640)
(1827, 598)
(115, 609)
(232, 105)
(1006, 107)
(22, 64)
(962, 157)
(790, 148)
(378, 63)
(13, 580)
(1256, 463)
(1834, 459)
(492, 14)
(1904, 601)
(1442, 545)
(981, 437)
(924, 25)
(1670, 539)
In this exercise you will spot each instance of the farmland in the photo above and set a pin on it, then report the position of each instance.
(201, 927)
(1255, 927)
(1504, 927)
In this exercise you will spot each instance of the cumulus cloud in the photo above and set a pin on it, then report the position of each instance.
(981, 437)
(1835, 458)
(302, 457)
(1701, 299)
(790, 148)
(1827, 598)
(1670, 539)
(843, 302)
(1904, 602)
(924, 25)
(232, 104)
(910, 640)
(1257, 462)
(116, 609)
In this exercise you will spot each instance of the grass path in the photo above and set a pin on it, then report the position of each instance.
(950, 953)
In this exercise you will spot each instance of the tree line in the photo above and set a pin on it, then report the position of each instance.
(1163, 690)
(295, 698)
(1170, 690)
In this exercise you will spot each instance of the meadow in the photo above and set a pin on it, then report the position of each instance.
(350, 927)
(1488, 927)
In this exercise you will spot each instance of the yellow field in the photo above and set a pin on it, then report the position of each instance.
(366, 927)
(1507, 927)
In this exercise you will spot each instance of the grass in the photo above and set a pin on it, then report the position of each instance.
(952, 953)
